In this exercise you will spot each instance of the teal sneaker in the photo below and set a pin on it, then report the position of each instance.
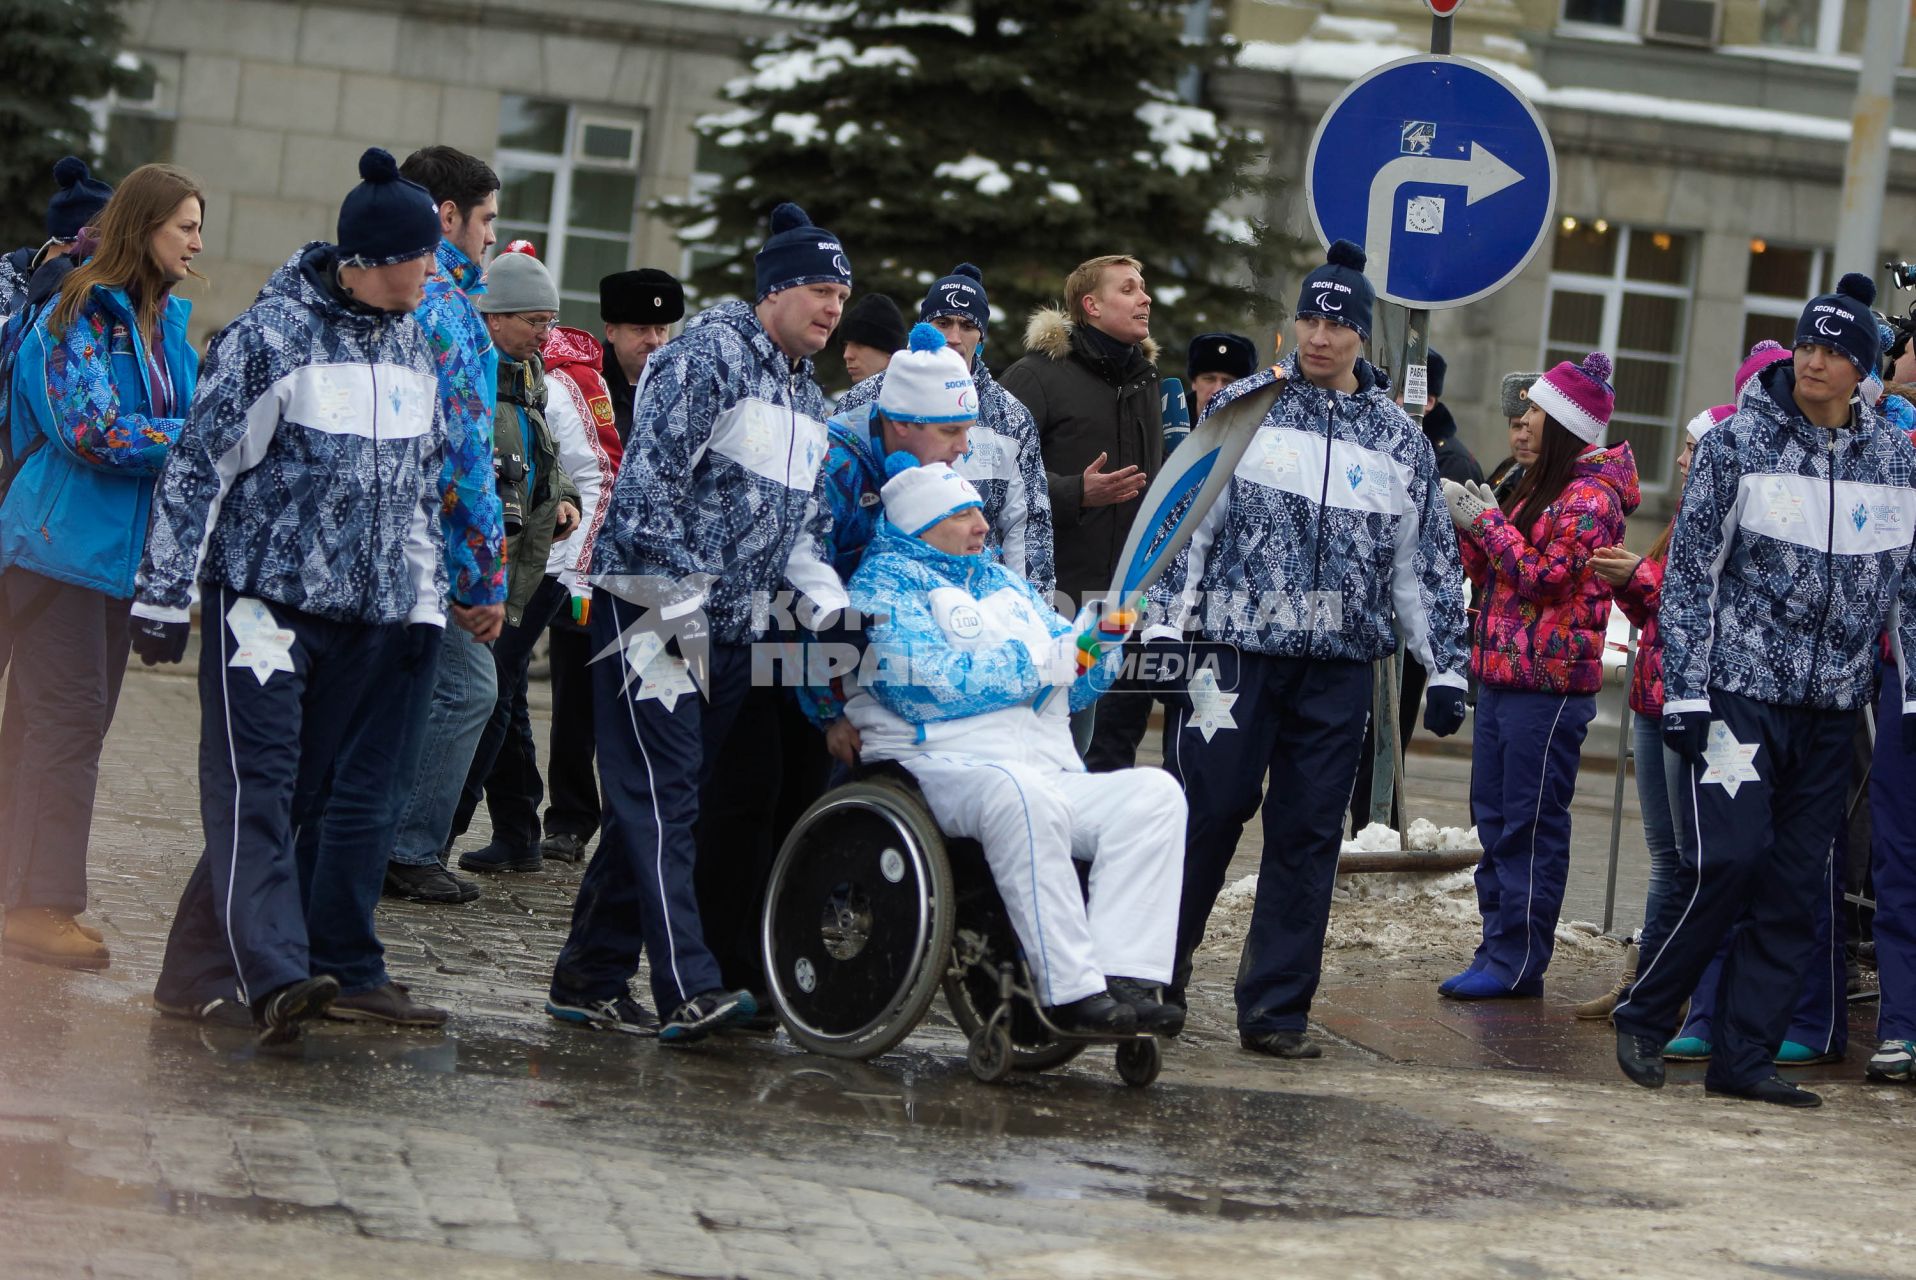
(1894, 1061)
(1687, 1049)
(1793, 1054)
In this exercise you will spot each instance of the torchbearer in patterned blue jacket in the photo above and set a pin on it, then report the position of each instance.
(1791, 556)
(1331, 543)
(715, 508)
(1003, 458)
(301, 506)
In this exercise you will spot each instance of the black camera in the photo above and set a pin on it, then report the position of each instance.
(511, 469)
(1903, 273)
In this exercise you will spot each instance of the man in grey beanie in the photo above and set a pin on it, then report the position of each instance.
(520, 306)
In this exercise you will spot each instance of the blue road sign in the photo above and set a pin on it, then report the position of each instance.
(1442, 171)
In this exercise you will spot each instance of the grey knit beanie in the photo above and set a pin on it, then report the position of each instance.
(517, 281)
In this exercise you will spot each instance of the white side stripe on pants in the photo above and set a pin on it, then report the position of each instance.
(658, 825)
(1530, 888)
(232, 758)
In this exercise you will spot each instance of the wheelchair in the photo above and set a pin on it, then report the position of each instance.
(870, 910)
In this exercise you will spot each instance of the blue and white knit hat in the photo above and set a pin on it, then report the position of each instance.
(962, 293)
(799, 253)
(1338, 290)
(916, 498)
(928, 382)
(1842, 321)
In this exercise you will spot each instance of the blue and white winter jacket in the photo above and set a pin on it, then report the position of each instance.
(717, 499)
(308, 473)
(1005, 463)
(962, 655)
(78, 510)
(1331, 541)
(1791, 555)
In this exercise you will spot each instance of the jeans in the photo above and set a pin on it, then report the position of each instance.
(463, 693)
(1659, 784)
(505, 765)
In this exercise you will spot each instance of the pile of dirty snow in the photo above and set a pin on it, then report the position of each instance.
(1424, 836)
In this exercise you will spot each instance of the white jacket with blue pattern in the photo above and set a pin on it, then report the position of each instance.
(718, 493)
(1791, 556)
(1331, 541)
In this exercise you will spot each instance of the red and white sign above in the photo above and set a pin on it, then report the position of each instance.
(1443, 8)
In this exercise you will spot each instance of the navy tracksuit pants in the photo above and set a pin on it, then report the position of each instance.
(1302, 722)
(638, 891)
(1892, 812)
(1821, 1016)
(1523, 770)
(1759, 855)
(242, 924)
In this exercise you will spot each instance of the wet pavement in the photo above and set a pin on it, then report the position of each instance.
(507, 1145)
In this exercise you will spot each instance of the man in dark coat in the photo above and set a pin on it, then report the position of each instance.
(1090, 379)
(1454, 461)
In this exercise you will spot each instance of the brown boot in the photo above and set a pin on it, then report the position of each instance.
(45, 936)
(1603, 1005)
(88, 930)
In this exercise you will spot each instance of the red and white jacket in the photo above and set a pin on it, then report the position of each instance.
(579, 414)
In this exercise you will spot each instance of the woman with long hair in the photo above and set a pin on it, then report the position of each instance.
(99, 394)
(1538, 658)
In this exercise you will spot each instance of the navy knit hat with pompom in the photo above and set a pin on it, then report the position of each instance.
(1842, 321)
(386, 219)
(1338, 290)
(78, 201)
(1578, 396)
(799, 253)
(962, 293)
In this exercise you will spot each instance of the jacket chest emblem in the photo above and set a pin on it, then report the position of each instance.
(965, 622)
(333, 401)
(1784, 507)
(1859, 516)
(1355, 474)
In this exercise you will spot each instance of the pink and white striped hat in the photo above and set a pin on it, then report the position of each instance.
(1762, 356)
(1710, 417)
(1579, 396)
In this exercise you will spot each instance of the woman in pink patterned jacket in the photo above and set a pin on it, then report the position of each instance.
(1537, 653)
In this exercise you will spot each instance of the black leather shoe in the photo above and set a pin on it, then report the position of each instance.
(1280, 1044)
(496, 857)
(1775, 1089)
(1641, 1058)
(1155, 1015)
(1095, 1015)
(563, 846)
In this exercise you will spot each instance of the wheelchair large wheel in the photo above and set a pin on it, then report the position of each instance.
(858, 917)
(984, 940)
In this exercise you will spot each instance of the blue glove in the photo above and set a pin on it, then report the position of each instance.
(158, 642)
(1443, 709)
(1688, 732)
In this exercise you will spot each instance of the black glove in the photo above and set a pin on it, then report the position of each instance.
(158, 642)
(1443, 709)
(1687, 733)
(420, 639)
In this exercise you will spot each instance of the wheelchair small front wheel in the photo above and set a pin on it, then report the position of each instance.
(989, 1053)
(1140, 1061)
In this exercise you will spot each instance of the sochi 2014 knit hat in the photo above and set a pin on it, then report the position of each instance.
(1762, 356)
(517, 281)
(78, 201)
(916, 498)
(1338, 290)
(799, 253)
(928, 382)
(962, 293)
(1578, 396)
(1514, 398)
(874, 321)
(645, 296)
(1701, 424)
(1231, 353)
(385, 219)
(1842, 321)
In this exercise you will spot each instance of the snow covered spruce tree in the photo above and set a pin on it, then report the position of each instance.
(53, 54)
(1024, 137)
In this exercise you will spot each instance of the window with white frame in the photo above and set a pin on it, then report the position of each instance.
(569, 182)
(1626, 291)
(1815, 26)
(1780, 280)
(1621, 16)
(135, 124)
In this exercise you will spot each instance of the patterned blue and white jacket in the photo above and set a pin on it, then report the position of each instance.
(1005, 464)
(1331, 541)
(1791, 555)
(962, 655)
(719, 491)
(308, 471)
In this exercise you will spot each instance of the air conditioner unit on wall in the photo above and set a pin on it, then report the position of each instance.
(1683, 21)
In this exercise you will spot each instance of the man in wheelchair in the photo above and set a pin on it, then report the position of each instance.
(968, 679)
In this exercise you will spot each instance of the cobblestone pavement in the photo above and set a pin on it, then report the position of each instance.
(136, 1146)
